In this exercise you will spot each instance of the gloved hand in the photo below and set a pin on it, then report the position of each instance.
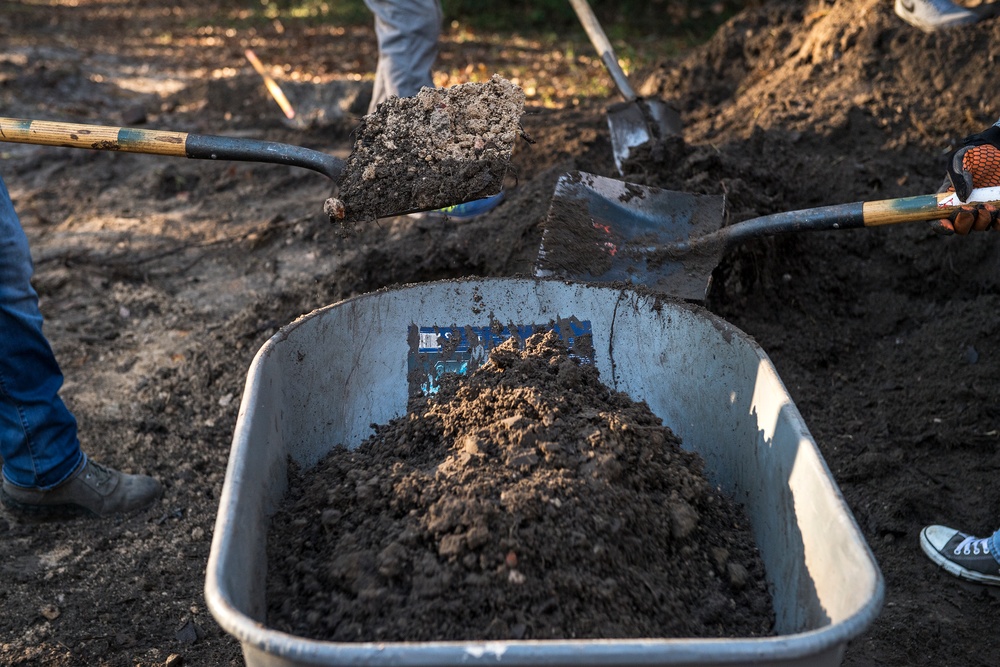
(975, 164)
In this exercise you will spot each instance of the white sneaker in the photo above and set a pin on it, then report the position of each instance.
(965, 556)
(931, 15)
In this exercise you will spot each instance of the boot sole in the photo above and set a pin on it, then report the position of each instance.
(43, 511)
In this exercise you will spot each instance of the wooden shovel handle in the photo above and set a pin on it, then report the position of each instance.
(271, 85)
(923, 207)
(165, 142)
(96, 137)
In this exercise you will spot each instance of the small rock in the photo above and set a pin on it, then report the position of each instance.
(685, 519)
(392, 560)
(470, 444)
(515, 577)
(477, 536)
(451, 545)
(527, 439)
(549, 447)
(738, 575)
(331, 517)
(721, 556)
(512, 422)
(523, 460)
(189, 633)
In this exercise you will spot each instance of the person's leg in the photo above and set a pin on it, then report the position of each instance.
(408, 33)
(44, 471)
(38, 436)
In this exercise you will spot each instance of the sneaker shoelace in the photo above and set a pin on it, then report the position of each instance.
(973, 546)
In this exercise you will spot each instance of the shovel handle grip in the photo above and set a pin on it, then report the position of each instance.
(165, 142)
(603, 46)
(96, 137)
(923, 207)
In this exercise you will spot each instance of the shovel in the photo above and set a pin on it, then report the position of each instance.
(605, 230)
(636, 125)
(272, 86)
(210, 147)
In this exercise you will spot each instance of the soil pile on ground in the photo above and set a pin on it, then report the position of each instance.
(525, 501)
(443, 146)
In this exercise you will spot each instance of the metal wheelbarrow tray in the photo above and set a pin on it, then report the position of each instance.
(323, 379)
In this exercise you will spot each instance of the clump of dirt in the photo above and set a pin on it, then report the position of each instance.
(441, 147)
(524, 501)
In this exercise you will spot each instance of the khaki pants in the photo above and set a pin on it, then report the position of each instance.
(407, 32)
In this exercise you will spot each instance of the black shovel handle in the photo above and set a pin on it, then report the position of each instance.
(164, 142)
(827, 218)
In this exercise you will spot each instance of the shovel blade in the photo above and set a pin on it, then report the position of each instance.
(666, 120)
(639, 127)
(605, 231)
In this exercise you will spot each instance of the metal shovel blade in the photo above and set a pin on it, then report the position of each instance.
(605, 230)
(639, 127)
(665, 118)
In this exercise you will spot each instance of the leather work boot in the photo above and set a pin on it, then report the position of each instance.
(93, 489)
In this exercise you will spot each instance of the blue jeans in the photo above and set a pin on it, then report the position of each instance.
(38, 438)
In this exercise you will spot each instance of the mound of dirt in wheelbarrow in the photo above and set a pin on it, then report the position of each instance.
(524, 501)
(440, 147)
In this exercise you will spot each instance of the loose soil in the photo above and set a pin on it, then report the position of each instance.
(441, 147)
(160, 278)
(525, 501)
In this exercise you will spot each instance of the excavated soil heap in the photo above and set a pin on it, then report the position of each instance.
(442, 146)
(524, 501)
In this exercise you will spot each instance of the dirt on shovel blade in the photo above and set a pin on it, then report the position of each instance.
(441, 147)
(524, 501)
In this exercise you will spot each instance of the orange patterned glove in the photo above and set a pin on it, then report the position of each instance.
(976, 164)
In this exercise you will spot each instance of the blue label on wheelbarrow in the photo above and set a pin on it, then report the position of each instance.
(436, 350)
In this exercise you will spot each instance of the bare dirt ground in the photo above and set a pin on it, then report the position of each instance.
(161, 277)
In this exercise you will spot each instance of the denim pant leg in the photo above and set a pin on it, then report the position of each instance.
(38, 437)
(408, 33)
